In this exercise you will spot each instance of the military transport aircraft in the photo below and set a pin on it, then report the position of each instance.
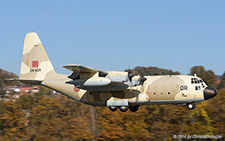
(115, 89)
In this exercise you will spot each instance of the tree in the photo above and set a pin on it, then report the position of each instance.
(122, 126)
(198, 70)
(215, 108)
(3, 83)
(51, 120)
(135, 125)
(153, 71)
(110, 125)
(28, 101)
(199, 122)
(222, 82)
(13, 121)
(207, 75)
(164, 121)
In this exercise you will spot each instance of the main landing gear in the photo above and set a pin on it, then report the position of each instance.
(124, 108)
(113, 108)
(191, 106)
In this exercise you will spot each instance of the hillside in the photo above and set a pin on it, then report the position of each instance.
(44, 116)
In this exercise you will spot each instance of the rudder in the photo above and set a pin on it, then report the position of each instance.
(35, 62)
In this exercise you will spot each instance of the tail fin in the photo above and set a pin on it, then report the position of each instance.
(35, 62)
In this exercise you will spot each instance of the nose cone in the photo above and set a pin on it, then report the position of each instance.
(209, 93)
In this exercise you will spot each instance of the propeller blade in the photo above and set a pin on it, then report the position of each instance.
(130, 75)
(142, 79)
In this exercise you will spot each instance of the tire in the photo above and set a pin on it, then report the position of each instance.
(113, 108)
(134, 108)
(123, 108)
(191, 106)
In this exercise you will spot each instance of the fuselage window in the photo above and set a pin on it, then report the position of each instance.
(196, 88)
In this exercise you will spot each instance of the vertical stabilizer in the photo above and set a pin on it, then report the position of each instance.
(35, 62)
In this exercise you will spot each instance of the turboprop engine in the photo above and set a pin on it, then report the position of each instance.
(113, 81)
(117, 77)
(127, 78)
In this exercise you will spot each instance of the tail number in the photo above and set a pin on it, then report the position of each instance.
(35, 70)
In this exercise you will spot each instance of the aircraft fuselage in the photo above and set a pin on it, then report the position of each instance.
(114, 89)
(168, 89)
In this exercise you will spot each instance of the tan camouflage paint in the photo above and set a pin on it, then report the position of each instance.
(156, 89)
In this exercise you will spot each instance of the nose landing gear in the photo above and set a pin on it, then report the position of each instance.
(191, 106)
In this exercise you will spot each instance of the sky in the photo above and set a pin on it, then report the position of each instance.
(116, 35)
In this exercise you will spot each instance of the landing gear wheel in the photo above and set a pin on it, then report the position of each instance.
(123, 108)
(134, 108)
(191, 106)
(113, 108)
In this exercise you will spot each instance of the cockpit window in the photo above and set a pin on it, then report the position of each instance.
(201, 81)
(196, 81)
(192, 81)
(203, 86)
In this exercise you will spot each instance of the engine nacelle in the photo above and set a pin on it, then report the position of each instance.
(93, 81)
(117, 77)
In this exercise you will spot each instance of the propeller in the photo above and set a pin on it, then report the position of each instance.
(142, 79)
(130, 75)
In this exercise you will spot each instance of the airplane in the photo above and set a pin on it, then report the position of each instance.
(115, 89)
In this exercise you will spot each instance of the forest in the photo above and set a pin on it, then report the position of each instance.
(55, 117)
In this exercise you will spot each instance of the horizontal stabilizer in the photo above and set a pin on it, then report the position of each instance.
(35, 82)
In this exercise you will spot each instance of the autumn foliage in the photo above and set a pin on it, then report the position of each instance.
(55, 117)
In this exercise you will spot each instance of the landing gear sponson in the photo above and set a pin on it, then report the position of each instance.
(190, 106)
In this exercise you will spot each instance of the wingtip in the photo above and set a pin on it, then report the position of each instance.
(69, 65)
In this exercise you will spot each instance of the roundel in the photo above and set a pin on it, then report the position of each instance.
(76, 89)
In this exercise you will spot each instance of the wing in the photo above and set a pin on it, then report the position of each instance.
(97, 80)
(80, 68)
(84, 70)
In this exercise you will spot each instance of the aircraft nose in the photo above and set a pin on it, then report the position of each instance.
(209, 93)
